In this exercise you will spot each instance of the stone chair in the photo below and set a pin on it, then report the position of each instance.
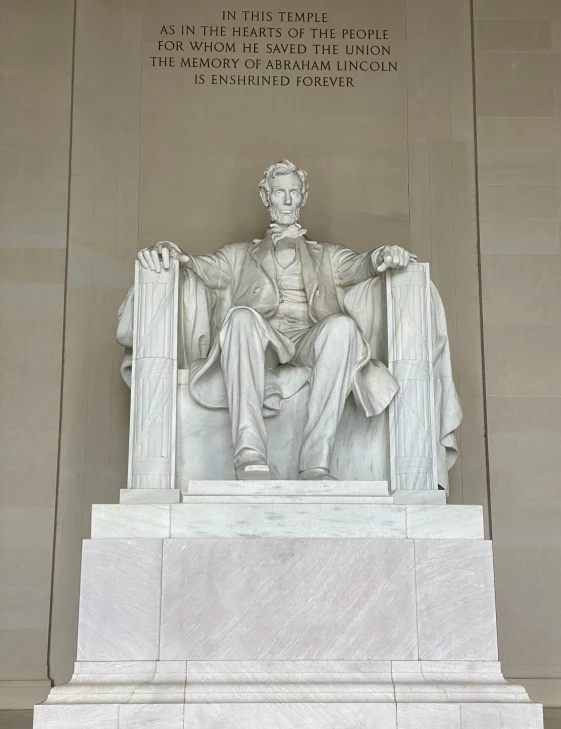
(173, 439)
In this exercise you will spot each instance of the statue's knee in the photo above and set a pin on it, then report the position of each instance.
(341, 326)
(242, 319)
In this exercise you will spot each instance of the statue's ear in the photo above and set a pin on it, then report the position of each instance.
(304, 198)
(264, 197)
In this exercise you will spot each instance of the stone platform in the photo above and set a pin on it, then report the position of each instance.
(287, 605)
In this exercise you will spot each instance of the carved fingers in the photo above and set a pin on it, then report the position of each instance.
(145, 259)
(165, 257)
(158, 256)
(393, 257)
(156, 261)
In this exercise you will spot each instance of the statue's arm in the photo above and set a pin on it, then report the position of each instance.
(351, 268)
(214, 269)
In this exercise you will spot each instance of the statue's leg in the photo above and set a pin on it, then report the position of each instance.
(332, 349)
(243, 343)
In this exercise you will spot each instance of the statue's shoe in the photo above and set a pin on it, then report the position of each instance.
(253, 472)
(316, 474)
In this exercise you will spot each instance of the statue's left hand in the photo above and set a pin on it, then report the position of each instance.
(392, 257)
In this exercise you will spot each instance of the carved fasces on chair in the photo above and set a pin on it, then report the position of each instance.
(411, 415)
(154, 379)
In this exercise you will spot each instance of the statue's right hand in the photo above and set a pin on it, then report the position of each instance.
(158, 256)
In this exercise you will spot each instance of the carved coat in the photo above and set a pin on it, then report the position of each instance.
(243, 275)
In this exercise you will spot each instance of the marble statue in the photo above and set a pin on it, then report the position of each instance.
(262, 319)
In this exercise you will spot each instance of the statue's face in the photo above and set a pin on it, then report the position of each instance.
(286, 199)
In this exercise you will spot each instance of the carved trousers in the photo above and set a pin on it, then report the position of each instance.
(331, 349)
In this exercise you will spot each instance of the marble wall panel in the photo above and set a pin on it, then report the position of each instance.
(455, 601)
(120, 600)
(294, 599)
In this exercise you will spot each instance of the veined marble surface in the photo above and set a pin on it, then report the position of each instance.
(286, 488)
(293, 515)
(145, 599)
(242, 633)
(418, 682)
(455, 600)
(291, 599)
(149, 496)
(291, 715)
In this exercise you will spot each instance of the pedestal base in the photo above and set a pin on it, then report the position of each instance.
(364, 615)
(289, 695)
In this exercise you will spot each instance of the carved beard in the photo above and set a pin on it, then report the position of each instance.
(282, 217)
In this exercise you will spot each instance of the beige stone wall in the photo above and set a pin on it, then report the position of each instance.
(35, 101)
(103, 238)
(518, 95)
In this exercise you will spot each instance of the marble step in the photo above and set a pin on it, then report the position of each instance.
(287, 488)
(346, 714)
(213, 518)
(374, 492)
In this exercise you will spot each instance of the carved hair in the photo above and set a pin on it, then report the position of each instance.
(284, 167)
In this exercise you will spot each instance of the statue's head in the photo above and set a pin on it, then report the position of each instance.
(284, 191)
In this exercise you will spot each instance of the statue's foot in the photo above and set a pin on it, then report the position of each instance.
(253, 472)
(250, 466)
(316, 474)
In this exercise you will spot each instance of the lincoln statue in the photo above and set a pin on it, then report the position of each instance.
(279, 301)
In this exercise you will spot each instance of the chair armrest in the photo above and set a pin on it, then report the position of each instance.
(413, 457)
(154, 379)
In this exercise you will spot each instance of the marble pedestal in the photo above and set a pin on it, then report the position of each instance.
(287, 605)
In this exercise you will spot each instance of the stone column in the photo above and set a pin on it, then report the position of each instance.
(411, 414)
(154, 379)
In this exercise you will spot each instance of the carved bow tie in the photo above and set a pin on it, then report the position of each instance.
(278, 232)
